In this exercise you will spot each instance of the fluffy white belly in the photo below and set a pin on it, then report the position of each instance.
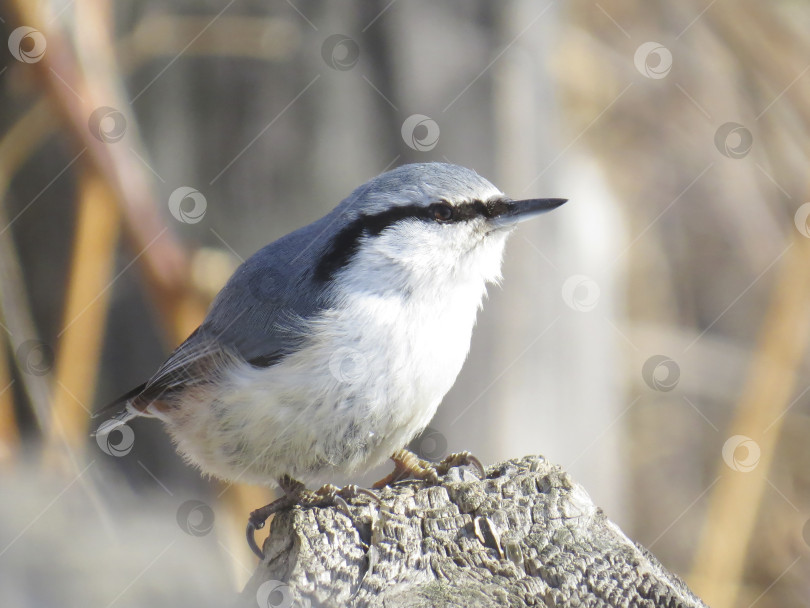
(362, 387)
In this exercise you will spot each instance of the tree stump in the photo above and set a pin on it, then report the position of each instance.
(526, 535)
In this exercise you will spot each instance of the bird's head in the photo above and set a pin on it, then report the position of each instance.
(426, 222)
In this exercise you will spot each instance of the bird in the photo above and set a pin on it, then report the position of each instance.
(331, 348)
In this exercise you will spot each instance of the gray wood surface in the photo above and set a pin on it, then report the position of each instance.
(527, 535)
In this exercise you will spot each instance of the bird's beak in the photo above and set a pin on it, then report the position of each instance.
(518, 211)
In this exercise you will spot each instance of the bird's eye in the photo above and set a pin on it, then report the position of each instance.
(442, 212)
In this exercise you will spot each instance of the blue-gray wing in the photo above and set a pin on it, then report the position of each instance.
(259, 316)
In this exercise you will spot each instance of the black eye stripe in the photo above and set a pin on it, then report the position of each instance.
(473, 209)
(468, 211)
(346, 242)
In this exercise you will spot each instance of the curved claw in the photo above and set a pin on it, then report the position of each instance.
(482, 472)
(461, 459)
(250, 535)
(292, 494)
(343, 506)
(352, 491)
(369, 494)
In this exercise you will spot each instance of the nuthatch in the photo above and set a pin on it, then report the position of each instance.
(330, 349)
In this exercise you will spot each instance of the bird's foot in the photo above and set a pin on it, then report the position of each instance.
(409, 465)
(293, 490)
(295, 493)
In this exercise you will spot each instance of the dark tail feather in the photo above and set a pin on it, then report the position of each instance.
(104, 411)
(122, 416)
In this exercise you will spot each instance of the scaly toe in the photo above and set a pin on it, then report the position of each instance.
(460, 459)
(409, 465)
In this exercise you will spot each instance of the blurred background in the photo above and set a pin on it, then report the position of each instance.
(650, 336)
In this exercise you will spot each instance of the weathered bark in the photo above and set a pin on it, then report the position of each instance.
(524, 536)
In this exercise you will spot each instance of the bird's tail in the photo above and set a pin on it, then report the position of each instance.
(123, 415)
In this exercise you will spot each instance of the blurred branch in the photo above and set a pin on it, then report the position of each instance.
(87, 303)
(769, 52)
(9, 430)
(95, 83)
(16, 146)
(165, 260)
(91, 72)
(735, 501)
